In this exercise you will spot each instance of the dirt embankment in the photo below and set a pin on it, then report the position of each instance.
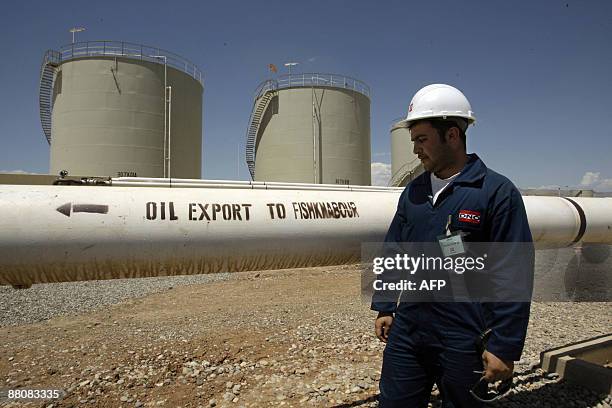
(280, 338)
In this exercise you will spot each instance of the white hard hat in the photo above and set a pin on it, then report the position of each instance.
(439, 101)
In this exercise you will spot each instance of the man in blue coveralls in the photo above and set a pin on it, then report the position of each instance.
(433, 342)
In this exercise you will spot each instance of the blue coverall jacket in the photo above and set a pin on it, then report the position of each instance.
(502, 218)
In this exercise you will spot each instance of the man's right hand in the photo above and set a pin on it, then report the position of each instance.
(382, 325)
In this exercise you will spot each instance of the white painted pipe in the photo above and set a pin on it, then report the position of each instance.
(70, 233)
(598, 213)
(553, 221)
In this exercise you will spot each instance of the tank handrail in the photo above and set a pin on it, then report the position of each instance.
(265, 86)
(130, 50)
(312, 79)
(51, 56)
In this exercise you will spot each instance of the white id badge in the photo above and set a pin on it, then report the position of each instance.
(451, 244)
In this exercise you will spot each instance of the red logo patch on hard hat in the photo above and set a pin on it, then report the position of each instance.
(410, 108)
(470, 216)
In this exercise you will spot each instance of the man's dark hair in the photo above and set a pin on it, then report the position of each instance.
(442, 125)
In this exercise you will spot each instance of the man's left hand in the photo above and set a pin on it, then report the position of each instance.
(495, 368)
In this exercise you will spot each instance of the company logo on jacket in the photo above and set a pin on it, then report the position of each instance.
(473, 217)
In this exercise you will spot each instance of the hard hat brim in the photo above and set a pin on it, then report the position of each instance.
(408, 121)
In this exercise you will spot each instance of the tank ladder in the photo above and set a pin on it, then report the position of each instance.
(260, 106)
(48, 70)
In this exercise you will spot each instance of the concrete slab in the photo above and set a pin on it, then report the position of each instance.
(586, 363)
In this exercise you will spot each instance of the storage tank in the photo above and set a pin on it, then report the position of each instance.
(405, 165)
(310, 128)
(120, 109)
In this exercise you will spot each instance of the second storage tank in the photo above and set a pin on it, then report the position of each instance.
(310, 128)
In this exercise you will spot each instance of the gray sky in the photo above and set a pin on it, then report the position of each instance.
(536, 72)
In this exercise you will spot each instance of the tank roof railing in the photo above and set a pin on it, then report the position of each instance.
(129, 50)
(312, 79)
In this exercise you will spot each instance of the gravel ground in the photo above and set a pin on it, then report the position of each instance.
(295, 338)
(43, 302)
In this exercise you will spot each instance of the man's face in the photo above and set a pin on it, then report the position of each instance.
(434, 154)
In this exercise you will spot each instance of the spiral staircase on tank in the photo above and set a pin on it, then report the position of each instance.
(262, 100)
(48, 71)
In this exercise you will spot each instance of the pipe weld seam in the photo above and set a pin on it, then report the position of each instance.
(583, 223)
